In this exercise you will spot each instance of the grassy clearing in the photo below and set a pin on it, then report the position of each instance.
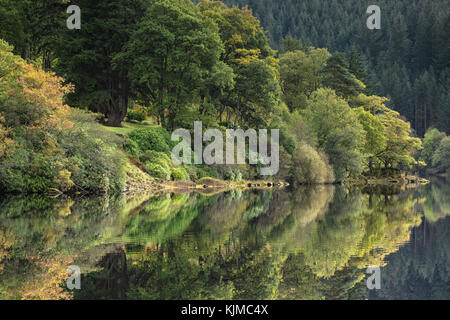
(127, 127)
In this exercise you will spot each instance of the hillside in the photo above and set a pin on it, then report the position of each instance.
(407, 60)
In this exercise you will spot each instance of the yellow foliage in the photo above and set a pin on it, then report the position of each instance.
(48, 284)
(44, 90)
(6, 242)
(6, 143)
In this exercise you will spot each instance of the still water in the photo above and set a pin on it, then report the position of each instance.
(307, 243)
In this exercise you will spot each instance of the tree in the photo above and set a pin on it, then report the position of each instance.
(256, 94)
(300, 75)
(355, 66)
(416, 39)
(441, 157)
(375, 138)
(291, 44)
(339, 78)
(401, 145)
(247, 51)
(338, 131)
(172, 52)
(13, 23)
(85, 57)
(431, 142)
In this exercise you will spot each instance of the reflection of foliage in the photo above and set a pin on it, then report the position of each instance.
(420, 270)
(336, 237)
(162, 218)
(437, 205)
(311, 243)
(39, 238)
(47, 284)
(229, 273)
(6, 242)
(359, 234)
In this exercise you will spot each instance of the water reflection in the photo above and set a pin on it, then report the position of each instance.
(308, 243)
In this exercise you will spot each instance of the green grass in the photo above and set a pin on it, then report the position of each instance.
(127, 127)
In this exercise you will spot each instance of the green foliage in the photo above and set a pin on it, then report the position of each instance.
(407, 60)
(136, 115)
(431, 142)
(291, 44)
(256, 91)
(204, 172)
(233, 174)
(158, 170)
(85, 57)
(168, 31)
(401, 145)
(45, 148)
(157, 164)
(441, 157)
(337, 77)
(95, 166)
(300, 75)
(154, 139)
(310, 167)
(375, 136)
(338, 131)
(179, 174)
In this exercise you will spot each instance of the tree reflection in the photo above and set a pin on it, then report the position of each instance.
(308, 243)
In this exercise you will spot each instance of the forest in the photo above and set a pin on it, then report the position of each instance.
(87, 109)
(406, 60)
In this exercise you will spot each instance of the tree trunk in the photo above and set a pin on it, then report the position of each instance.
(118, 105)
(114, 119)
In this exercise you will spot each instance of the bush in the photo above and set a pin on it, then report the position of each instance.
(155, 139)
(310, 167)
(431, 141)
(95, 166)
(132, 148)
(157, 170)
(157, 164)
(179, 174)
(157, 157)
(136, 115)
(201, 171)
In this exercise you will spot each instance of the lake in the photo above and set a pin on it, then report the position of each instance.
(305, 243)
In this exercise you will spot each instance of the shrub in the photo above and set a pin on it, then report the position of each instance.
(310, 167)
(157, 157)
(229, 175)
(179, 174)
(205, 171)
(157, 170)
(136, 115)
(132, 148)
(95, 166)
(155, 139)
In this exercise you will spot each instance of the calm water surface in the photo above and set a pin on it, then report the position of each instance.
(307, 243)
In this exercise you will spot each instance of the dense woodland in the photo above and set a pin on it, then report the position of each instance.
(174, 62)
(407, 60)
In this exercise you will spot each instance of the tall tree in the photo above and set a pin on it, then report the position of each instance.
(248, 53)
(300, 75)
(85, 56)
(171, 53)
(339, 78)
